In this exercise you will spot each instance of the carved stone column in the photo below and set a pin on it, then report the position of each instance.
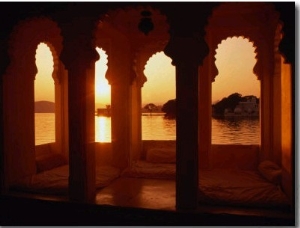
(79, 57)
(136, 121)
(60, 76)
(288, 90)
(18, 110)
(120, 76)
(187, 54)
(120, 122)
(136, 99)
(208, 71)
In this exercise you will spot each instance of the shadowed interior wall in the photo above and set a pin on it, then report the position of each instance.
(286, 135)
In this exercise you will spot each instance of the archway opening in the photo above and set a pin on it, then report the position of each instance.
(102, 100)
(44, 96)
(158, 90)
(235, 94)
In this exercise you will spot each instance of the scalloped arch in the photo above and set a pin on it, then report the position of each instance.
(144, 62)
(141, 45)
(249, 20)
(244, 38)
(143, 56)
(25, 38)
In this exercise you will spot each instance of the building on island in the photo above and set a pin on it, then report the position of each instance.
(249, 108)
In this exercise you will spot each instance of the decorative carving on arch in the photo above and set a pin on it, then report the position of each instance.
(142, 56)
(126, 21)
(104, 37)
(278, 37)
(277, 52)
(122, 24)
(279, 41)
(25, 38)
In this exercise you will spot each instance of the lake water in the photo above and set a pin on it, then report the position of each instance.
(156, 127)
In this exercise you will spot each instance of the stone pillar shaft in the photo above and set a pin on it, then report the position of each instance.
(120, 124)
(81, 145)
(205, 112)
(136, 122)
(187, 136)
(187, 53)
(79, 56)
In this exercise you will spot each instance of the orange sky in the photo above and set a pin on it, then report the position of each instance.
(44, 84)
(235, 60)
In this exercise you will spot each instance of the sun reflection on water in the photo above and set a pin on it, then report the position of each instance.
(103, 128)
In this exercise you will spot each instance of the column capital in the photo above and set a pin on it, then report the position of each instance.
(286, 49)
(79, 49)
(186, 50)
(79, 55)
(287, 18)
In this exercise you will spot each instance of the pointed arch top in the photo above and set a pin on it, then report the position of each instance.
(25, 38)
(255, 21)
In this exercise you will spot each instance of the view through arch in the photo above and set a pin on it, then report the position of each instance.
(102, 99)
(44, 96)
(156, 92)
(235, 94)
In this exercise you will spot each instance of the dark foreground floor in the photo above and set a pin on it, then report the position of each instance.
(141, 202)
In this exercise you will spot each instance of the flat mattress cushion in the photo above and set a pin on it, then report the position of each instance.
(240, 188)
(161, 155)
(144, 169)
(55, 181)
(49, 161)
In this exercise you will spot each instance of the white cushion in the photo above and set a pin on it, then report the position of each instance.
(271, 171)
(161, 155)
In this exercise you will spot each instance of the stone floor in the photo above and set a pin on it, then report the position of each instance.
(139, 192)
(129, 201)
(161, 195)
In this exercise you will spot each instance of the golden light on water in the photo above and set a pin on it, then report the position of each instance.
(102, 127)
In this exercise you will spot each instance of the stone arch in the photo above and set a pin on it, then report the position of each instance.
(249, 20)
(128, 50)
(18, 84)
(141, 59)
(256, 22)
(25, 38)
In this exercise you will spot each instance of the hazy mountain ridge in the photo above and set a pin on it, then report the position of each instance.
(44, 107)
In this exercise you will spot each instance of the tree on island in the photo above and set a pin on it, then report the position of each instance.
(230, 103)
(169, 109)
(151, 107)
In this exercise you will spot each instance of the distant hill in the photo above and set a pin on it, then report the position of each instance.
(44, 107)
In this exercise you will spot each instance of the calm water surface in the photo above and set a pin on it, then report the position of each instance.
(156, 127)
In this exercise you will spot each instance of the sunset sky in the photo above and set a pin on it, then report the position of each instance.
(235, 60)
